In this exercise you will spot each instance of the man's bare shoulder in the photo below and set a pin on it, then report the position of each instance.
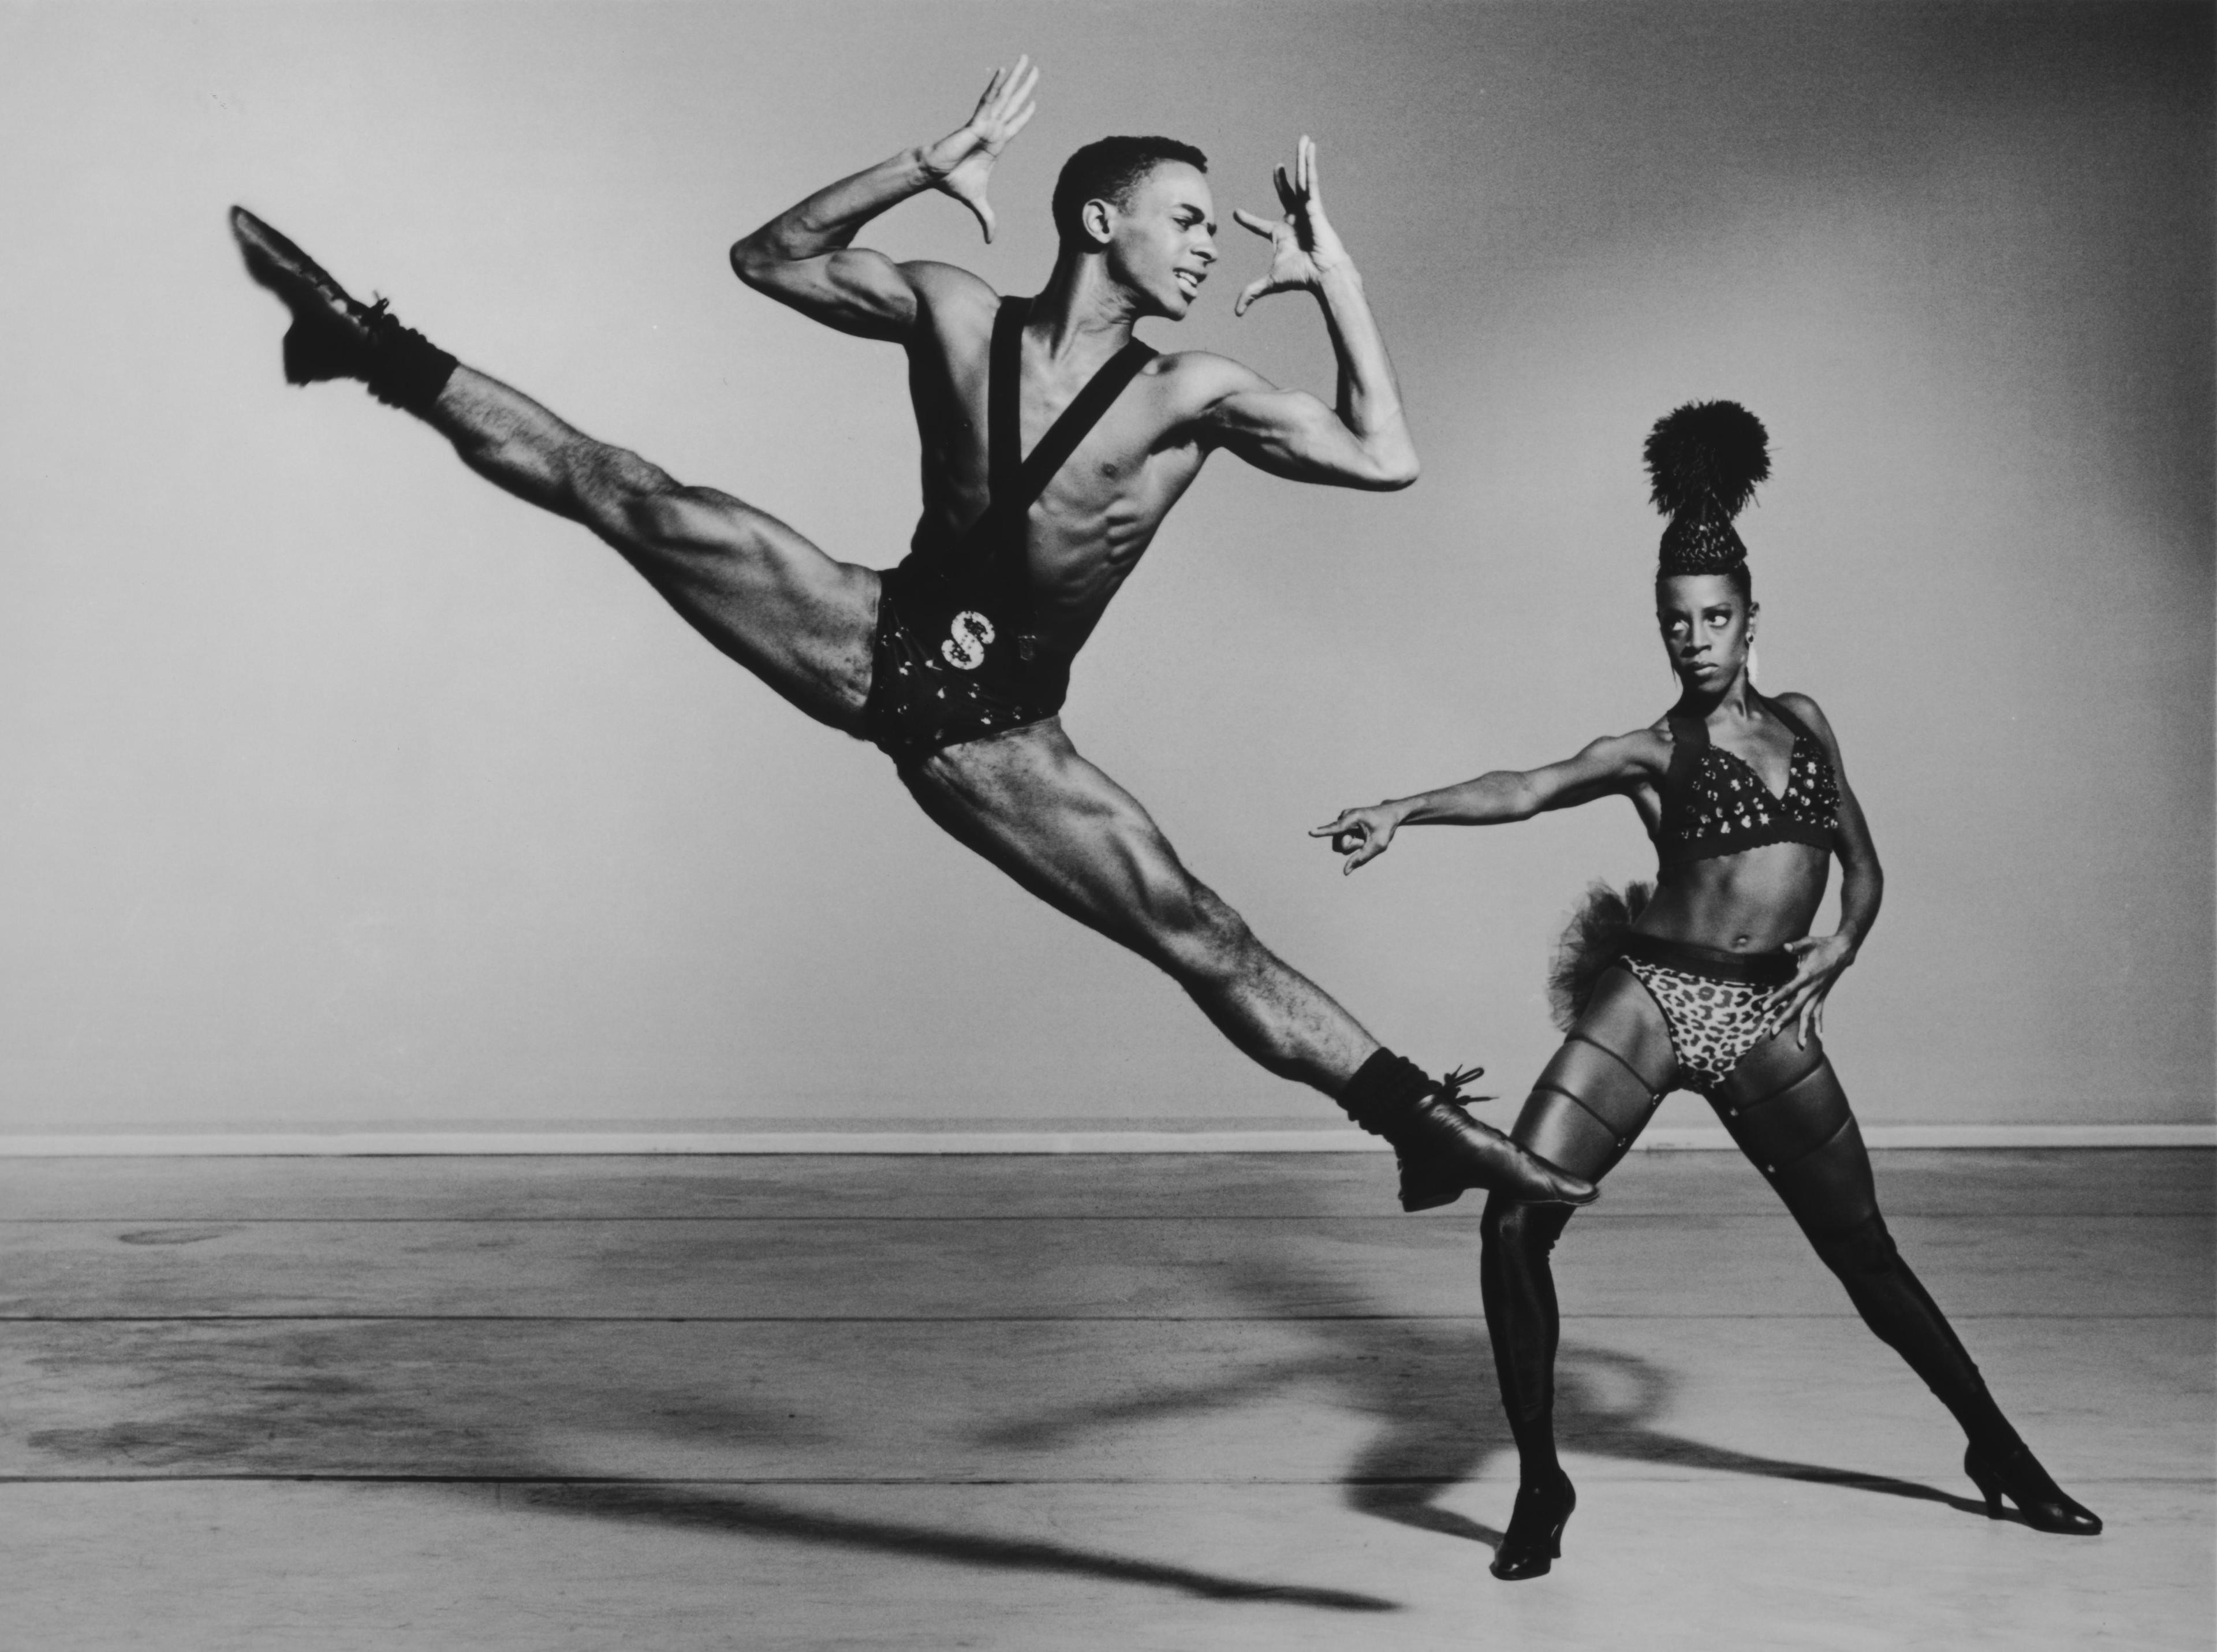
(950, 293)
(1198, 379)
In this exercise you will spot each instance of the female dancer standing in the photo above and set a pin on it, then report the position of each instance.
(1712, 984)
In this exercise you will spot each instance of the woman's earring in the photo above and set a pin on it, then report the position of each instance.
(1752, 663)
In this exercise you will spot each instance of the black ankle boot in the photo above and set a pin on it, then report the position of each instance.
(1533, 1542)
(333, 336)
(1444, 1151)
(2016, 1474)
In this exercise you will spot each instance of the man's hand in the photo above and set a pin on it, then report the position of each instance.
(961, 163)
(1818, 963)
(1362, 835)
(1304, 246)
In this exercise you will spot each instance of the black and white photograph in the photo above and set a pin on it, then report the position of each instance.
(728, 733)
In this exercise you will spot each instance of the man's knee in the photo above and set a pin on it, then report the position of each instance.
(1198, 938)
(656, 514)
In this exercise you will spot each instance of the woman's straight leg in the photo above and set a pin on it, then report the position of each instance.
(1585, 1111)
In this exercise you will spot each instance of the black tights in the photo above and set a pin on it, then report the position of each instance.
(1788, 1113)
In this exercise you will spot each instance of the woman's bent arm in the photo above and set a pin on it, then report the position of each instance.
(1821, 960)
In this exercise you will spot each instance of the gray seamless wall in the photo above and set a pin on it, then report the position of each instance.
(341, 789)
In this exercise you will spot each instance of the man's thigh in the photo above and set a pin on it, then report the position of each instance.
(1028, 802)
(762, 594)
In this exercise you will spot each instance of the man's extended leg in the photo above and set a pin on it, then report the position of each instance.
(759, 592)
(805, 625)
(1028, 802)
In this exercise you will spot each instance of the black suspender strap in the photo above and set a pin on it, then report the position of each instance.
(1004, 436)
(1078, 420)
(1015, 480)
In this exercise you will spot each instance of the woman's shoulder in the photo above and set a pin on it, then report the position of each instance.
(1646, 749)
(1804, 710)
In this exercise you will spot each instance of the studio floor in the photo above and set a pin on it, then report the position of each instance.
(1186, 1402)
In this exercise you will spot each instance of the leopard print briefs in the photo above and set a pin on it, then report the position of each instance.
(1713, 1023)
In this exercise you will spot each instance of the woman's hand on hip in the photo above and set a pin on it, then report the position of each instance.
(1818, 961)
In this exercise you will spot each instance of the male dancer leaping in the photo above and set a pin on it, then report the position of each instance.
(1054, 445)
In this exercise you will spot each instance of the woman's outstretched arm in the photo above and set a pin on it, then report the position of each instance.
(1609, 767)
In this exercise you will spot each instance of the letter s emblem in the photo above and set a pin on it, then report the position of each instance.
(966, 649)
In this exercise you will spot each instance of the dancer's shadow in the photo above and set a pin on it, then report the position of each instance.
(1429, 1387)
(320, 1402)
(702, 1508)
(368, 1401)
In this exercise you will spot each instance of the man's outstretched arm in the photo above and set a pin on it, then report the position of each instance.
(804, 257)
(1364, 440)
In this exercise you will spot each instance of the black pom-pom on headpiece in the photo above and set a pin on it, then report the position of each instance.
(1704, 460)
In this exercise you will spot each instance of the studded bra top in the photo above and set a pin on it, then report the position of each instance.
(1715, 804)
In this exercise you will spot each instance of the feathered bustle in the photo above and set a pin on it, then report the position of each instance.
(1588, 946)
(1708, 453)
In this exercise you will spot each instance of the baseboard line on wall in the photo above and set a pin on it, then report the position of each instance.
(409, 1143)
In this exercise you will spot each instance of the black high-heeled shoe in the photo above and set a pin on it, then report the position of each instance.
(1533, 1542)
(2017, 1475)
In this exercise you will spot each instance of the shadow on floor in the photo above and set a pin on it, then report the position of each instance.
(346, 1401)
(1428, 1386)
(350, 1400)
(752, 1516)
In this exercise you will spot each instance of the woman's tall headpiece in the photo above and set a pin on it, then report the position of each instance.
(1704, 460)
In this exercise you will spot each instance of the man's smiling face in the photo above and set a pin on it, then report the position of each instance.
(1162, 242)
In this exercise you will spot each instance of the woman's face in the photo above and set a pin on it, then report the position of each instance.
(1706, 627)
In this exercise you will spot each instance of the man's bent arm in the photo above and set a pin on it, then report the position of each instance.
(1369, 401)
(804, 257)
(1365, 441)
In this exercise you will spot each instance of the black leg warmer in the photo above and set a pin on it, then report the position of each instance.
(404, 369)
(1383, 1086)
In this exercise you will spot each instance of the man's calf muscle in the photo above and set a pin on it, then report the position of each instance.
(525, 448)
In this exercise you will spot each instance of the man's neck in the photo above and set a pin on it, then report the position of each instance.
(1081, 312)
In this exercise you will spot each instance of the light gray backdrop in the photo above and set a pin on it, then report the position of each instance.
(336, 788)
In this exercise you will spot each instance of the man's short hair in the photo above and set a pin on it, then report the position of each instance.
(1109, 170)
